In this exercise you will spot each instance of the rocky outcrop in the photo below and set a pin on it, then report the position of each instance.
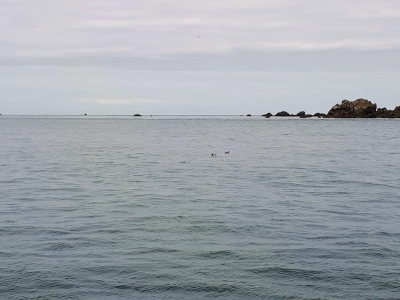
(301, 114)
(320, 115)
(360, 108)
(282, 114)
(387, 113)
(267, 115)
(137, 115)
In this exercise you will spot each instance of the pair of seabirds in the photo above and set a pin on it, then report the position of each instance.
(213, 154)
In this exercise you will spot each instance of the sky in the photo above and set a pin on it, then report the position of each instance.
(196, 57)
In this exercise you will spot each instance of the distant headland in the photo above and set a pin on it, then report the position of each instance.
(360, 108)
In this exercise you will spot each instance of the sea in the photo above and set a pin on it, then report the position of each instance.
(123, 207)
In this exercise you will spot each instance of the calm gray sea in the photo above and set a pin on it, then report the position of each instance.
(137, 208)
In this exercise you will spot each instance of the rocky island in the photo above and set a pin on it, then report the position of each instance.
(360, 108)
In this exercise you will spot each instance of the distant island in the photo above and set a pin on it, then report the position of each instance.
(360, 108)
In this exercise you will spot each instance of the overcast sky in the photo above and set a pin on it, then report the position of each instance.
(191, 57)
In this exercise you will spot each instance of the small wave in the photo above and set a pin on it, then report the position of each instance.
(219, 254)
(384, 233)
(380, 252)
(110, 231)
(52, 284)
(156, 250)
(370, 250)
(7, 254)
(58, 247)
(209, 228)
(192, 287)
(288, 272)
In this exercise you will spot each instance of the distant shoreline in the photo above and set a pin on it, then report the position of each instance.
(359, 108)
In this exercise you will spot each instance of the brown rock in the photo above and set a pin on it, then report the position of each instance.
(267, 115)
(301, 113)
(360, 108)
(320, 115)
(282, 114)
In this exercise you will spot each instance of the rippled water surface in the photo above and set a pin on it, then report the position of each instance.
(137, 208)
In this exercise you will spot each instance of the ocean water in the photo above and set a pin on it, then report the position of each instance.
(137, 208)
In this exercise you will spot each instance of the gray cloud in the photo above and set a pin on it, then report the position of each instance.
(212, 57)
(59, 28)
(240, 60)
